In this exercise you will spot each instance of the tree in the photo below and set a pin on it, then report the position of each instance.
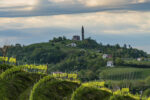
(4, 50)
(119, 61)
(125, 46)
(117, 46)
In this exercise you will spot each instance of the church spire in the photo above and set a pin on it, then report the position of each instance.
(82, 31)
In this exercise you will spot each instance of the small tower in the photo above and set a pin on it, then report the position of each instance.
(82, 31)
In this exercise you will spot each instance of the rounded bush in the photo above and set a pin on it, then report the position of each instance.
(90, 93)
(146, 93)
(55, 90)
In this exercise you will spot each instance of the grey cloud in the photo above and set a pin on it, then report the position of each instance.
(46, 8)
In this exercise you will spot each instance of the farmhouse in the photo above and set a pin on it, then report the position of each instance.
(110, 64)
(105, 56)
(72, 45)
(139, 59)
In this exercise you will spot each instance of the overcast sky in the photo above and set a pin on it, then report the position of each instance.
(107, 21)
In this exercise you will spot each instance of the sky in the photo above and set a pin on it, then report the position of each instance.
(106, 21)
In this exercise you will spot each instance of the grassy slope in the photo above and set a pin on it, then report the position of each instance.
(18, 86)
(55, 90)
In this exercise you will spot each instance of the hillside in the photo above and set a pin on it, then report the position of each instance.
(60, 48)
(64, 55)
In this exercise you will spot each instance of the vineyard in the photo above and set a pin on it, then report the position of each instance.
(31, 82)
(125, 73)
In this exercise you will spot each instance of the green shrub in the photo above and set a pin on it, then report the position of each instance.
(4, 67)
(146, 93)
(119, 97)
(13, 88)
(148, 80)
(90, 93)
(54, 90)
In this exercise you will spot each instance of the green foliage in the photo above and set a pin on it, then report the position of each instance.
(86, 58)
(15, 87)
(24, 68)
(56, 50)
(119, 61)
(148, 80)
(54, 89)
(88, 43)
(137, 64)
(10, 72)
(4, 67)
(90, 93)
(146, 93)
(119, 97)
(38, 84)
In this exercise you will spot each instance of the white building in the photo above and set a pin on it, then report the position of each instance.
(110, 64)
(105, 56)
(72, 45)
(139, 59)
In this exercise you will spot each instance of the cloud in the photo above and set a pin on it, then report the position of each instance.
(58, 7)
(8, 3)
(96, 23)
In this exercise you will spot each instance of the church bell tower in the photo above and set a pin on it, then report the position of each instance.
(82, 31)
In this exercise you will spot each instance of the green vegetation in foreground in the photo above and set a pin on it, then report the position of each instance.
(15, 88)
(55, 90)
(90, 93)
(94, 93)
(4, 67)
(34, 86)
(119, 97)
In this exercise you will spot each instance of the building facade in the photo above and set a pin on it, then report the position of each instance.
(76, 38)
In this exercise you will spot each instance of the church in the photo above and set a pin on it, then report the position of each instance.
(77, 37)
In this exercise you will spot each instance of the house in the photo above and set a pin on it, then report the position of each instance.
(110, 64)
(76, 38)
(72, 45)
(105, 56)
(139, 59)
